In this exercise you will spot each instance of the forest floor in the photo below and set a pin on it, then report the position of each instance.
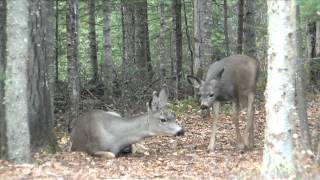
(183, 157)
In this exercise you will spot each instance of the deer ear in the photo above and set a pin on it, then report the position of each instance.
(154, 102)
(194, 81)
(219, 74)
(163, 97)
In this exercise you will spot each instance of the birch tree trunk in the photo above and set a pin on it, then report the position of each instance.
(16, 83)
(278, 152)
(317, 48)
(107, 63)
(250, 47)
(202, 36)
(92, 39)
(3, 39)
(72, 56)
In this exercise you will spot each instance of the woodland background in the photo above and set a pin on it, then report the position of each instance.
(112, 55)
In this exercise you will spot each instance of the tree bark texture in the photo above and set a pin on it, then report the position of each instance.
(317, 48)
(162, 39)
(202, 36)
(107, 64)
(41, 74)
(311, 39)
(92, 39)
(250, 47)
(240, 27)
(72, 56)
(188, 38)
(177, 44)
(278, 151)
(128, 31)
(300, 90)
(226, 29)
(142, 51)
(16, 83)
(3, 38)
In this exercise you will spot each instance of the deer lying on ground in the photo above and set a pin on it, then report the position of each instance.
(233, 79)
(107, 134)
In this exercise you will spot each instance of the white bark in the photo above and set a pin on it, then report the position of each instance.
(278, 151)
(16, 97)
(317, 48)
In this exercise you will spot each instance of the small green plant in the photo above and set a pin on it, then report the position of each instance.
(189, 104)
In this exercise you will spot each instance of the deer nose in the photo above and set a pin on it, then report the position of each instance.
(180, 133)
(203, 106)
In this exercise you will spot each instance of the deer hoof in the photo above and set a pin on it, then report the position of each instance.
(105, 154)
(210, 148)
(241, 147)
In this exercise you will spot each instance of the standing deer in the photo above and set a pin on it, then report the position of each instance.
(107, 134)
(233, 79)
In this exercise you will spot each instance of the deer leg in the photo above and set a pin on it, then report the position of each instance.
(249, 135)
(235, 119)
(216, 109)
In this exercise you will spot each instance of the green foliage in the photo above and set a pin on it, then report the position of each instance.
(310, 9)
(2, 76)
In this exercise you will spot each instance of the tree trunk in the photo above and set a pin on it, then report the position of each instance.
(41, 74)
(128, 33)
(250, 47)
(72, 56)
(92, 39)
(107, 65)
(162, 39)
(16, 83)
(188, 37)
(240, 27)
(142, 51)
(226, 29)
(317, 48)
(278, 151)
(300, 89)
(311, 39)
(3, 38)
(177, 44)
(57, 43)
(202, 36)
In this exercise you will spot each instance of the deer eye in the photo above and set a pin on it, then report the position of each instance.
(163, 120)
(211, 95)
